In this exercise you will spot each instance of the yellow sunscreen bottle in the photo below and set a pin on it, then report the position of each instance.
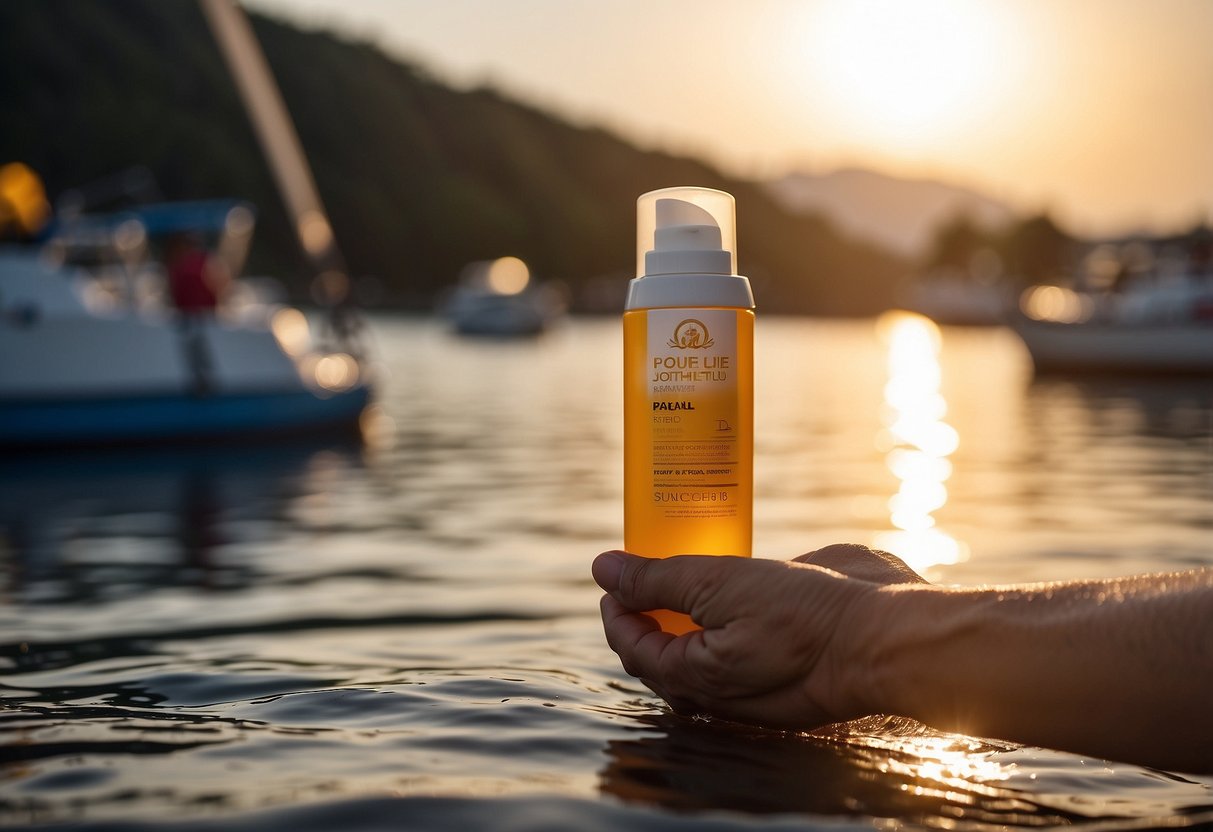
(688, 356)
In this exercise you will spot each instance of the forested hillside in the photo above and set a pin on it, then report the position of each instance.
(419, 178)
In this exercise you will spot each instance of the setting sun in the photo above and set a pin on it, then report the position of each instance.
(910, 72)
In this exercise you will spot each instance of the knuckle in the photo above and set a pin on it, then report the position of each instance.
(835, 553)
(706, 582)
(716, 677)
(635, 578)
(721, 669)
(727, 663)
(712, 577)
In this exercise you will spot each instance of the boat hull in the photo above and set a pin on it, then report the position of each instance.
(174, 418)
(1165, 349)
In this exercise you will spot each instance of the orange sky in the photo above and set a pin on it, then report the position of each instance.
(1100, 110)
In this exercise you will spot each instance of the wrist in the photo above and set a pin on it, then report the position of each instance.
(890, 658)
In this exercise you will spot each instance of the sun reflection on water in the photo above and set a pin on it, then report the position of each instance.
(945, 760)
(916, 442)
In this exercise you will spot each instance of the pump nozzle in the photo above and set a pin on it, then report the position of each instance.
(684, 226)
(685, 231)
(686, 240)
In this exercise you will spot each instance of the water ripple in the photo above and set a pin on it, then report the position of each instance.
(325, 636)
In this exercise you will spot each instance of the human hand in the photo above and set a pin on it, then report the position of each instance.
(779, 640)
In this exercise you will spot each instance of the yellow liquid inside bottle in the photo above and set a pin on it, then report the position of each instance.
(688, 437)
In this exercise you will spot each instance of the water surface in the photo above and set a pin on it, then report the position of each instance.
(405, 634)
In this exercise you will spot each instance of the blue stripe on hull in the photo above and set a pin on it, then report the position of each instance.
(163, 418)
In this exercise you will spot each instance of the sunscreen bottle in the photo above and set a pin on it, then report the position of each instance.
(688, 353)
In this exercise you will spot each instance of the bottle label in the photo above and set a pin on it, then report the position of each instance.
(693, 401)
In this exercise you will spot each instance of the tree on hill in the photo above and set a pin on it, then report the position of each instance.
(956, 243)
(418, 179)
(1036, 250)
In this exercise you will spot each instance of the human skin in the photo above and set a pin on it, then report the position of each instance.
(1119, 668)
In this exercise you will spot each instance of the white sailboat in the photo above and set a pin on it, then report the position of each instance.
(98, 355)
(89, 356)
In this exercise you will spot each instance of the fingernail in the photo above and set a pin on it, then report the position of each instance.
(607, 569)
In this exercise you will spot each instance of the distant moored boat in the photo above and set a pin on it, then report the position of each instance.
(1163, 328)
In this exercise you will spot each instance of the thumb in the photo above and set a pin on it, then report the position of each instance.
(674, 583)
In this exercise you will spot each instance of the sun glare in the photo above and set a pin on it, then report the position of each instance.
(917, 443)
(904, 71)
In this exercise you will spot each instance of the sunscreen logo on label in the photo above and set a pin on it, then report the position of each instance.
(690, 334)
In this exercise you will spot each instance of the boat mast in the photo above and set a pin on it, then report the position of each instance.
(280, 142)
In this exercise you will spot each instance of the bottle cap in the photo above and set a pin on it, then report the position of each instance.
(686, 251)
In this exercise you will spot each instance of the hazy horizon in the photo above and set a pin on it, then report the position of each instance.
(1100, 113)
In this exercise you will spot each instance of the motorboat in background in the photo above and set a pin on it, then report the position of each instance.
(93, 352)
(498, 298)
(1158, 326)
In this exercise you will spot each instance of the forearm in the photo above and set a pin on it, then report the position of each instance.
(1122, 668)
